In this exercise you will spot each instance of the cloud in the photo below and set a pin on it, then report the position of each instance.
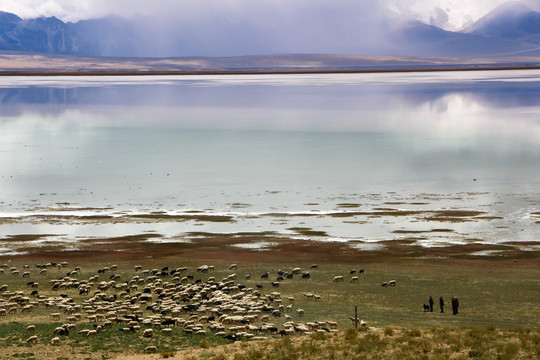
(449, 14)
(459, 11)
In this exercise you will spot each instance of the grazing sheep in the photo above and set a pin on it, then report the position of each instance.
(92, 333)
(32, 339)
(31, 328)
(384, 284)
(338, 279)
(291, 299)
(392, 283)
(26, 274)
(233, 267)
(354, 279)
(332, 324)
(300, 312)
(363, 323)
(55, 341)
(314, 267)
(61, 330)
(306, 275)
(148, 333)
(55, 316)
(150, 349)
(167, 331)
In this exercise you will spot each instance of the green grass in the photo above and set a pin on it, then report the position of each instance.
(493, 298)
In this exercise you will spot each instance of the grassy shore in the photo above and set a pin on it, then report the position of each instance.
(498, 296)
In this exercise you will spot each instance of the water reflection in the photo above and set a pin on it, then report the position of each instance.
(132, 140)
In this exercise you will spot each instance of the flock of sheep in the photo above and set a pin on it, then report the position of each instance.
(155, 300)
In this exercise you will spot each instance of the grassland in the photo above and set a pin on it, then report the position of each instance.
(499, 315)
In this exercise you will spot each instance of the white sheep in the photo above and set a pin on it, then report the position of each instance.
(55, 341)
(354, 279)
(148, 333)
(338, 279)
(32, 339)
(150, 349)
(31, 328)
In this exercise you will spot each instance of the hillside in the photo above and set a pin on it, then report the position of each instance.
(18, 62)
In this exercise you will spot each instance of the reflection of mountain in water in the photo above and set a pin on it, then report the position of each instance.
(353, 97)
(39, 95)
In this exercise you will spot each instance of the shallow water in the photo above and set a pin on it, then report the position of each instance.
(274, 152)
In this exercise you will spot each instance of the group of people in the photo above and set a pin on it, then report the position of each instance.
(455, 305)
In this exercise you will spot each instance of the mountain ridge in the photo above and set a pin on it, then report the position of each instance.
(510, 30)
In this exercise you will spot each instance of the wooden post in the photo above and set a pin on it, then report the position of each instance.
(356, 316)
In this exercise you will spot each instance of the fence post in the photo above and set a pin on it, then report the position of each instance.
(356, 316)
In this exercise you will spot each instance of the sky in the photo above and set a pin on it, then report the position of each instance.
(457, 13)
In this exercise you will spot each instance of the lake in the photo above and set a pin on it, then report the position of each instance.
(324, 157)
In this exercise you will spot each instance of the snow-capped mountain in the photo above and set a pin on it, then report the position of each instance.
(511, 29)
(509, 21)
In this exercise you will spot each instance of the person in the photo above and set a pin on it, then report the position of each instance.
(455, 305)
(430, 304)
(441, 304)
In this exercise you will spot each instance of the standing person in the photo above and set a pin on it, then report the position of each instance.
(457, 305)
(430, 304)
(441, 304)
(454, 306)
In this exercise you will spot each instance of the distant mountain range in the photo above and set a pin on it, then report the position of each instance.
(510, 30)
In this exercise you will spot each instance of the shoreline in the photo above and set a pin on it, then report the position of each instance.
(367, 70)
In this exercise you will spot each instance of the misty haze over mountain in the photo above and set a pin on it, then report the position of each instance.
(512, 29)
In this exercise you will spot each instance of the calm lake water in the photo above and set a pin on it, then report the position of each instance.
(265, 148)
